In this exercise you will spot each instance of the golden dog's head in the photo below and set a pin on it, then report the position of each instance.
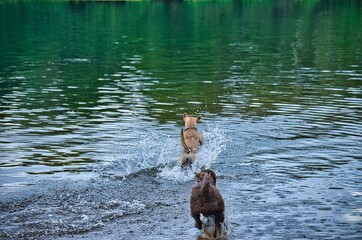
(191, 122)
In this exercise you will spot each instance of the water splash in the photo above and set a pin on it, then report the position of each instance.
(157, 150)
(208, 228)
(215, 143)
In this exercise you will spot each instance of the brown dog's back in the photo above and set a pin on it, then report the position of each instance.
(205, 197)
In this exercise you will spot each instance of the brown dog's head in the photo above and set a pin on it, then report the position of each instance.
(191, 122)
(211, 173)
(201, 175)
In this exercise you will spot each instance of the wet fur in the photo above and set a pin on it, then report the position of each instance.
(191, 140)
(206, 200)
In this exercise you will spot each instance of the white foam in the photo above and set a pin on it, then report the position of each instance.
(177, 174)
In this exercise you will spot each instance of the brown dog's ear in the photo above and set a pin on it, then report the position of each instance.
(199, 118)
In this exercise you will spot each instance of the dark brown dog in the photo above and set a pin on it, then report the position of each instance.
(191, 140)
(207, 200)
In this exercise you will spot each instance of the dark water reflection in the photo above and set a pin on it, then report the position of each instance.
(91, 89)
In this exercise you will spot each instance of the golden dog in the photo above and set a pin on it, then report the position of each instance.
(191, 140)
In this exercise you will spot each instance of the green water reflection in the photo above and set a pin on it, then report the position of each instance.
(71, 71)
(161, 58)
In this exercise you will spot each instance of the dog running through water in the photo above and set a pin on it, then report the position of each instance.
(191, 140)
(207, 201)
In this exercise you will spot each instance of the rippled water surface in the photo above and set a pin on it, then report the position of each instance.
(92, 96)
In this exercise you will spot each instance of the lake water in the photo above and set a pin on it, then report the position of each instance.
(92, 96)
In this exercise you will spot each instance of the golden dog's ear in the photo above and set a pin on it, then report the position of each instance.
(185, 115)
(199, 118)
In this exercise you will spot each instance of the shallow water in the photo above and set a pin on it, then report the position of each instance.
(92, 96)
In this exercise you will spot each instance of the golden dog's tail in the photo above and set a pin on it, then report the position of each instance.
(187, 149)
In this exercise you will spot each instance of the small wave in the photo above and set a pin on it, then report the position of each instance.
(77, 60)
(69, 213)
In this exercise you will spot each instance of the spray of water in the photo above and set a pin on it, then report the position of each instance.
(160, 150)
